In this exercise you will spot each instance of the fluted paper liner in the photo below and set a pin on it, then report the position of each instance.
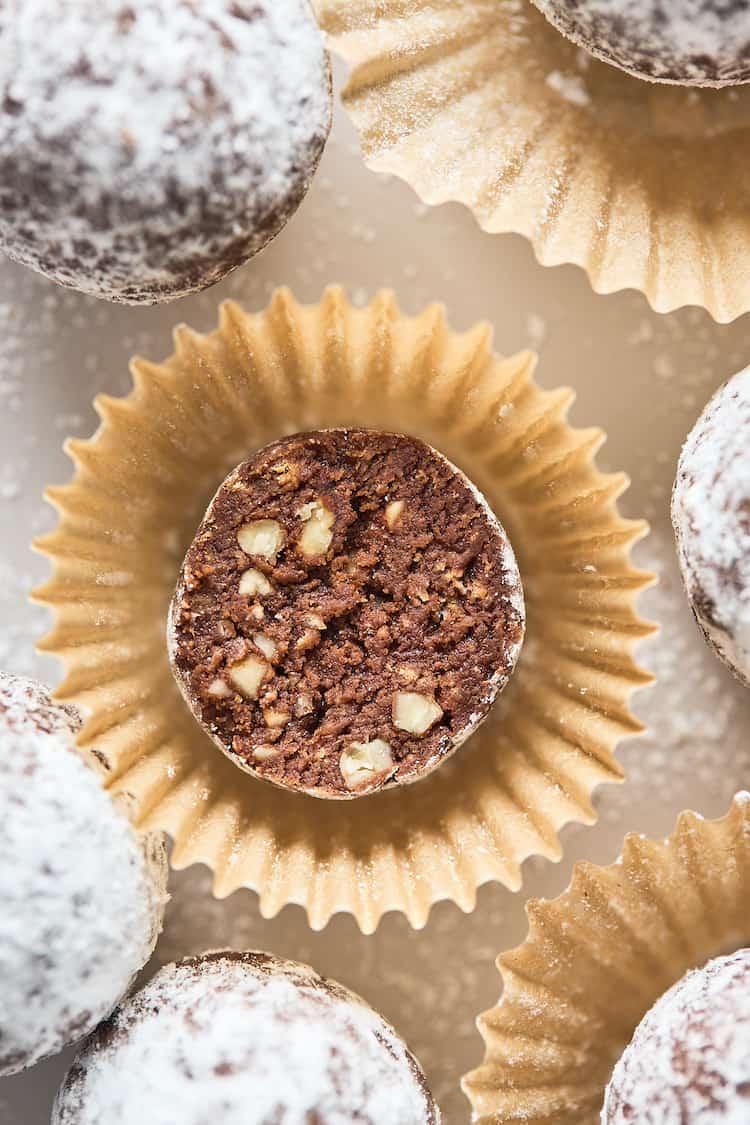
(140, 488)
(598, 957)
(485, 103)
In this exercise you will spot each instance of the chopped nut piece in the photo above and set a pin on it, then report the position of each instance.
(263, 538)
(393, 513)
(308, 640)
(263, 753)
(265, 644)
(274, 718)
(218, 687)
(414, 712)
(361, 762)
(249, 674)
(303, 705)
(316, 534)
(255, 582)
(257, 613)
(407, 674)
(315, 621)
(286, 473)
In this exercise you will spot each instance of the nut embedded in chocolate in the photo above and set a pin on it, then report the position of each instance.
(346, 614)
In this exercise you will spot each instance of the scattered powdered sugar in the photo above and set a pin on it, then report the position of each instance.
(82, 897)
(696, 42)
(148, 147)
(711, 515)
(244, 1039)
(689, 1060)
(571, 87)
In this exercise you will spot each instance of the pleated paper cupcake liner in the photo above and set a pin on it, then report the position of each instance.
(485, 103)
(140, 488)
(596, 960)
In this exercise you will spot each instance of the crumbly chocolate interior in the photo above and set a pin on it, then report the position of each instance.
(390, 600)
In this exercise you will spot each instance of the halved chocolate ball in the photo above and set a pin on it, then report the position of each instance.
(347, 612)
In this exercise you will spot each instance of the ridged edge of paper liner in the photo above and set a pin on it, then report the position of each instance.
(140, 487)
(484, 103)
(598, 957)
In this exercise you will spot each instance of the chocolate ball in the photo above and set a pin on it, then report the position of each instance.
(244, 1039)
(148, 147)
(690, 42)
(711, 517)
(82, 895)
(347, 613)
(689, 1060)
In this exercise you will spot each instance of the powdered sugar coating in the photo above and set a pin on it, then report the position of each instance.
(689, 42)
(245, 1039)
(81, 897)
(148, 147)
(711, 517)
(689, 1060)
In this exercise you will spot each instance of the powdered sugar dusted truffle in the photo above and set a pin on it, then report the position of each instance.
(81, 897)
(244, 1039)
(347, 612)
(711, 517)
(689, 1060)
(148, 147)
(690, 42)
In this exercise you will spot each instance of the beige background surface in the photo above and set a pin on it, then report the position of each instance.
(641, 376)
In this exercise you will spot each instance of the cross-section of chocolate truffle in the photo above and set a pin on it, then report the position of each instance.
(346, 614)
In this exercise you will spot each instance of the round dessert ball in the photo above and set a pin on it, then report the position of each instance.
(244, 1039)
(690, 42)
(148, 147)
(81, 896)
(346, 614)
(711, 517)
(689, 1060)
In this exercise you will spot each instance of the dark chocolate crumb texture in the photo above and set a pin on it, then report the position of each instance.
(346, 614)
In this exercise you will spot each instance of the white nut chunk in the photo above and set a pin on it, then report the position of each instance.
(393, 513)
(264, 752)
(265, 644)
(415, 712)
(316, 534)
(248, 675)
(263, 538)
(362, 762)
(275, 718)
(254, 582)
(219, 688)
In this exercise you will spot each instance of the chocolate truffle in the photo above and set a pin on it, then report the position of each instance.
(690, 42)
(148, 147)
(689, 1060)
(82, 897)
(346, 614)
(711, 517)
(244, 1039)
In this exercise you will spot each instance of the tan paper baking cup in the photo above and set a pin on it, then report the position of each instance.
(484, 103)
(598, 957)
(140, 488)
